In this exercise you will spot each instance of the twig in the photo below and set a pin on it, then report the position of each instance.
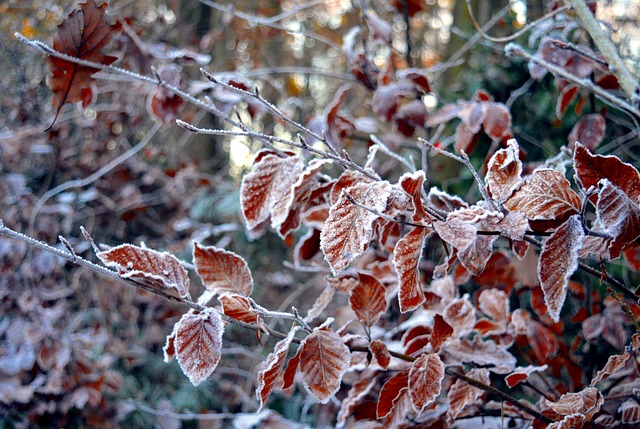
(627, 81)
(513, 49)
(382, 215)
(386, 150)
(571, 47)
(519, 32)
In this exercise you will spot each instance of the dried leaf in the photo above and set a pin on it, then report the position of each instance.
(425, 380)
(589, 131)
(290, 372)
(614, 363)
(323, 361)
(567, 95)
(573, 421)
(222, 271)
(391, 392)
(504, 172)
(461, 315)
(197, 342)
(522, 373)
(357, 393)
(497, 120)
(462, 396)
(379, 351)
(149, 266)
(558, 261)
(270, 370)
(630, 411)
(266, 187)
(163, 104)
(368, 299)
(546, 195)
(406, 258)
(412, 185)
(83, 34)
(618, 216)
(495, 304)
(238, 307)
(586, 402)
(349, 229)
(321, 303)
(480, 352)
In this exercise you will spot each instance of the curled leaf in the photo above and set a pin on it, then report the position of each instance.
(270, 370)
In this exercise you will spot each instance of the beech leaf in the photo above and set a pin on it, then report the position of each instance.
(379, 351)
(150, 266)
(391, 392)
(238, 307)
(522, 373)
(324, 359)
(504, 172)
(614, 363)
(462, 396)
(222, 271)
(368, 299)
(349, 228)
(357, 393)
(425, 380)
(271, 369)
(406, 258)
(558, 261)
(587, 402)
(198, 342)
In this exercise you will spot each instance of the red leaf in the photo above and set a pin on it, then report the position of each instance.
(323, 361)
(589, 131)
(566, 97)
(412, 185)
(391, 392)
(290, 372)
(558, 261)
(164, 105)
(345, 181)
(406, 258)
(349, 228)
(425, 380)
(504, 172)
(497, 120)
(386, 99)
(472, 115)
(593, 168)
(84, 35)
(441, 332)
(462, 396)
(146, 265)
(586, 402)
(198, 341)
(238, 307)
(357, 393)
(521, 374)
(266, 187)
(410, 116)
(368, 299)
(480, 352)
(546, 195)
(417, 77)
(270, 370)
(222, 271)
(379, 350)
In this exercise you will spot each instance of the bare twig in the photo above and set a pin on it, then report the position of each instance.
(384, 148)
(571, 47)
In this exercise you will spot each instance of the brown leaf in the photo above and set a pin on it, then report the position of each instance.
(163, 104)
(290, 372)
(412, 185)
(441, 332)
(480, 352)
(198, 341)
(320, 303)
(573, 421)
(522, 373)
(425, 380)
(591, 169)
(567, 95)
(238, 307)
(270, 370)
(618, 216)
(222, 271)
(497, 120)
(461, 315)
(146, 265)
(546, 195)
(472, 115)
(349, 229)
(323, 361)
(462, 396)
(495, 304)
(368, 299)
(630, 412)
(390, 393)
(379, 351)
(266, 187)
(357, 393)
(83, 34)
(504, 172)
(406, 258)
(589, 131)
(586, 402)
(614, 363)
(558, 261)
(345, 181)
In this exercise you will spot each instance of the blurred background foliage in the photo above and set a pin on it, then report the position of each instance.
(184, 187)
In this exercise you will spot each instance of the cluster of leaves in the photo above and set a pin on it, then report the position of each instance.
(447, 300)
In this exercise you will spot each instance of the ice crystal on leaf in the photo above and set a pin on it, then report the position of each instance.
(222, 271)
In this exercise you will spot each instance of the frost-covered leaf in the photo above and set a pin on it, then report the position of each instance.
(573, 421)
(163, 104)
(267, 186)
(504, 172)
(586, 402)
(290, 371)
(480, 352)
(567, 95)
(222, 271)
(380, 352)
(197, 342)
(149, 266)
(589, 131)
(497, 120)
(323, 361)
(270, 370)
(461, 315)
(558, 261)
(522, 373)
(441, 332)
(406, 258)
(614, 363)
(514, 226)
(412, 185)
(238, 307)
(357, 393)
(591, 169)
(320, 303)
(472, 115)
(630, 412)
(462, 396)
(457, 233)
(368, 299)
(349, 228)
(495, 304)
(425, 380)
(391, 392)
(169, 349)
(546, 195)
(444, 201)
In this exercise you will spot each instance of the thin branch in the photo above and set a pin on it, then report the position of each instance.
(384, 148)
(627, 81)
(513, 49)
(577, 49)
(382, 215)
